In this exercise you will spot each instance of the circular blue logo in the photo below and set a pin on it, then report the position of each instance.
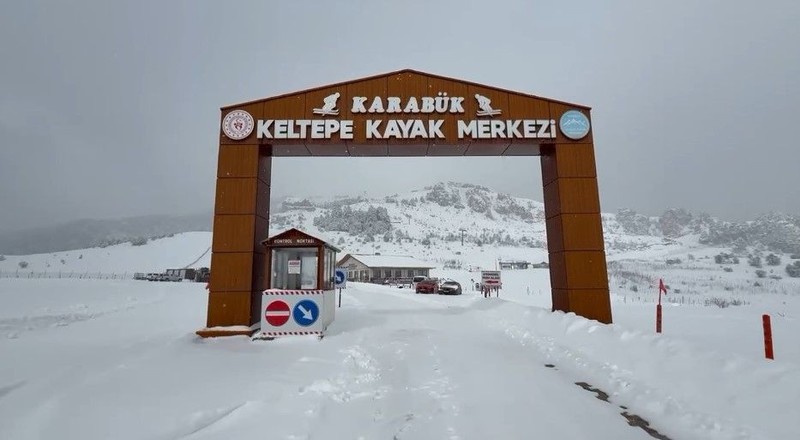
(305, 312)
(574, 124)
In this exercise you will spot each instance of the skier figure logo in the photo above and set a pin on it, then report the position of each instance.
(329, 106)
(485, 105)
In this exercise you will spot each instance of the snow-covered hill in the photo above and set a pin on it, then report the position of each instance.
(431, 223)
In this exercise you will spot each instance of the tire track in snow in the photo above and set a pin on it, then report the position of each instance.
(577, 365)
(390, 385)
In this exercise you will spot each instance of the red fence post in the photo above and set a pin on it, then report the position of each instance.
(767, 337)
(658, 318)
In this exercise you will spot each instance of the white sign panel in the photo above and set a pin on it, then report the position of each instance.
(294, 266)
(296, 312)
(491, 278)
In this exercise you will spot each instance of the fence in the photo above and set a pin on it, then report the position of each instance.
(73, 275)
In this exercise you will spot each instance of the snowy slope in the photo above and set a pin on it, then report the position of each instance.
(189, 248)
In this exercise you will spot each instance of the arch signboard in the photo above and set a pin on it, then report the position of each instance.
(404, 113)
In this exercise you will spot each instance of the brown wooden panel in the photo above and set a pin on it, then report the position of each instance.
(290, 150)
(404, 86)
(262, 199)
(522, 149)
(259, 272)
(265, 166)
(575, 160)
(552, 203)
(233, 233)
(560, 299)
(231, 271)
(549, 165)
(555, 234)
(558, 270)
(586, 270)
(523, 107)
(255, 306)
(581, 232)
(261, 233)
(236, 196)
(487, 148)
(571, 196)
(373, 149)
(578, 195)
(568, 160)
(238, 161)
(228, 308)
(408, 149)
(256, 110)
(369, 88)
(329, 150)
(447, 149)
(558, 109)
(589, 303)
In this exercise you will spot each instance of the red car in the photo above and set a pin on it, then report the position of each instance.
(429, 285)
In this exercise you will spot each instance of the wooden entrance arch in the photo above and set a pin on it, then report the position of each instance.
(404, 113)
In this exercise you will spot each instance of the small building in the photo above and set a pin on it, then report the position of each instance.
(506, 265)
(383, 269)
(297, 260)
(184, 273)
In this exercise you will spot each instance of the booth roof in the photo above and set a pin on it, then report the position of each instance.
(391, 261)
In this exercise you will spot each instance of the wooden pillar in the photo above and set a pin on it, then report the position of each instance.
(578, 274)
(241, 222)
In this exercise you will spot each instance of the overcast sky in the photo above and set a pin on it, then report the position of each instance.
(110, 110)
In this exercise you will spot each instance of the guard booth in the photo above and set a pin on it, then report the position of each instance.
(300, 295)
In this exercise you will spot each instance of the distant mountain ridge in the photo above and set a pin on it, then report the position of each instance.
(81, 234)
(441, 213)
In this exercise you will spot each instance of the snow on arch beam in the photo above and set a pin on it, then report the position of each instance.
(471, 120)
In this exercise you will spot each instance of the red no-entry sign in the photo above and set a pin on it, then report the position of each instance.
(277, 313)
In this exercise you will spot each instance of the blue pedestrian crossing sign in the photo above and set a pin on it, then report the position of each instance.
(305, 313)
(341, 277)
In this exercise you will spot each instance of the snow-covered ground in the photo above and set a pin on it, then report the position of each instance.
(106, 358)
(99, 359)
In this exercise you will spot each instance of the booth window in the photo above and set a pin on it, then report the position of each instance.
(294, 268)
(328, 277)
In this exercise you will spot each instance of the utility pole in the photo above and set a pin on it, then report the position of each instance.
(462, 235)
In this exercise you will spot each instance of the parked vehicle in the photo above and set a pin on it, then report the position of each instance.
(428, 285)
(450, 287)
(172, 277)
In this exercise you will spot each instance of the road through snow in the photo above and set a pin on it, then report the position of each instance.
(393, 365)
(440, 372)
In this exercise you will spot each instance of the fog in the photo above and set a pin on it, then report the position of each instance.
(111, 110)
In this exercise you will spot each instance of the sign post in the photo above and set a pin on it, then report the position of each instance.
(341, 281)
